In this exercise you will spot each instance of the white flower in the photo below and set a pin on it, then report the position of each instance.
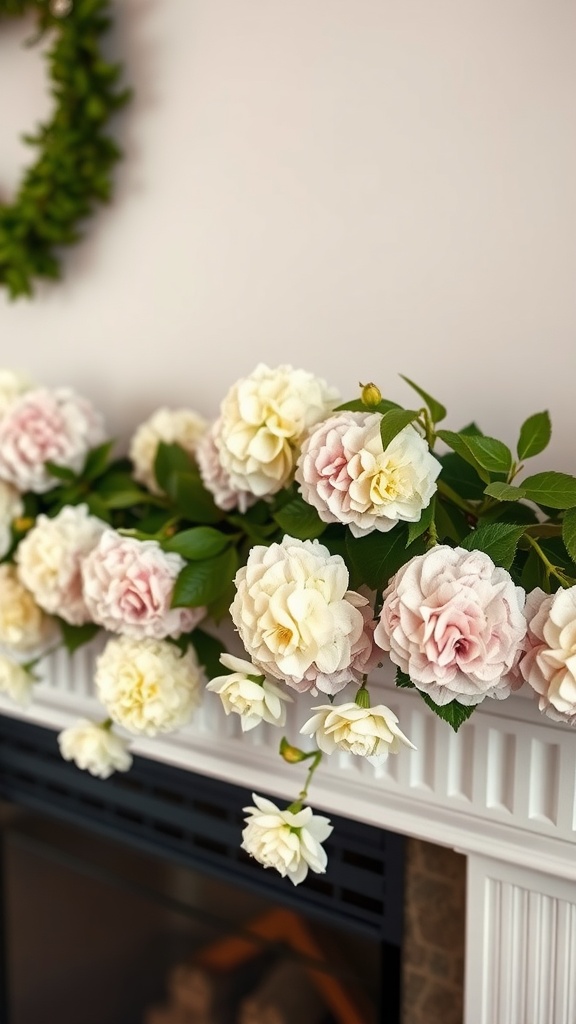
(369, 732)
(23, 625)
(264, 418)
(46, 426)
(215, 478)
(16, 681)
(50, 559)
(95, 748)
(249, 694)
(297, 619)
(348, 477)
(549, 664)
(12, 385)
(172, 426)
(10, 507)
(289, 841)
(147, 685)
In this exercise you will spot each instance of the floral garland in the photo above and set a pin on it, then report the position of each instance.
(72, 171)
(333, 535)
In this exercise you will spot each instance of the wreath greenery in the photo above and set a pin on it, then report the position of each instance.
(72, 172)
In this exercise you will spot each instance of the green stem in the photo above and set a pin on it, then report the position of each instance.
(315, 756)
(551, 570)
(455, 498)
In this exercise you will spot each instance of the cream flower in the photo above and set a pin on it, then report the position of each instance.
(23, 625)
(297, 619)
(50, 558)
(46, 426)
(147, 685)
(289, 841)
(12, 385)
(16, 681)
(95, 748)
(128, 586)
(549, 664)
(215, 478)
(10, 507)
(263, 420)
(348, 477)
(172, 426)
(453, 621)
(249, 694)
(372, 733)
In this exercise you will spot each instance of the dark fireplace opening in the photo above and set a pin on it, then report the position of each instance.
(129, 901)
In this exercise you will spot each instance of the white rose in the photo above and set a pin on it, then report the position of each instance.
(147, 685)
(50, 559)
(296, 617)
(95, 748)
(249, 694)
(264, 418)
(372, 733)
(16, 681)
(172, 426)
(12, 385)
(10, 507)
(289, 841)
(214, 476)
(23, 625)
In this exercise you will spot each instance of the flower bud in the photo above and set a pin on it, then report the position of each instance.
(291, 754)
(371, 395)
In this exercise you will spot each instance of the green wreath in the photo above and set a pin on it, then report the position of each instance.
(72, 172)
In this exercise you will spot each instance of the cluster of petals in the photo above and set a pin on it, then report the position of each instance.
(298, 621)
(12, 385)
(95, 748)
(549, 663)
(10, 508)
(46, 426)
(289, 841)
(24, 626)
(346, 474)
(215, 478)
(170, 426)
(243, 691)
(128, 586)
(264, 418)
(148, 686)
(50, 559)
(453, 621)
(372, 733)
(16, 681)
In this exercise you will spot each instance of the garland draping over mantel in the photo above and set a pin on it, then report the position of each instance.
(75, 156)
(335, 535)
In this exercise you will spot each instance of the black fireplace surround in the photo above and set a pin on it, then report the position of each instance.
(194, 821)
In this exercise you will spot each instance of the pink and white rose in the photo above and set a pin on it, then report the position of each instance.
(50, 561)
(264, 418)
(215, 478)
(46, 426)
(549, 664)
(128, 586)
(453, 621)
(298, 620)
(348, 477)
(171, 426)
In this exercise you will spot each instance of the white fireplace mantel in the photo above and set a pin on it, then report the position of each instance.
(502, 791)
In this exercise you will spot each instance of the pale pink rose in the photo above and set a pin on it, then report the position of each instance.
(215, 478)
(549, 664)
(297, 619)
(453, 621)
(50, 557)
(46, 426)
(128, 586)
(346, 474)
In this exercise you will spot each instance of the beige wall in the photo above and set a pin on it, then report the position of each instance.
(360, 187)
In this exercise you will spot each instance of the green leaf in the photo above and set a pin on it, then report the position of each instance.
(97, 461)
(299, 519)
(490, 453)
(504, 492)
(499, 540)
(569, 533)
(202, 582)
(60, 472)
(416, 530)
(457, 442)
(554, 490)
(170, 459)
(535, 435)
(376, 557)
(454, 713)
(75, 636)
(199, 543)
(118, 490)
(461, 477)
(208, 649)
(403, 681)
(393, 422)
(451, 523)
(192, 499)
(438, 411)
